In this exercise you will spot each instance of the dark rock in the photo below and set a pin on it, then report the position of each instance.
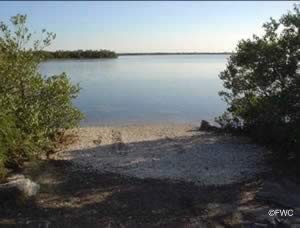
(98, 141)
(206, 126)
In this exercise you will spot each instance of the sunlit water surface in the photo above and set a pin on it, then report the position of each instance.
(145, 89)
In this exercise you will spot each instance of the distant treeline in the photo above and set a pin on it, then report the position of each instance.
(94, 54)
(78, 54)
(178, 53)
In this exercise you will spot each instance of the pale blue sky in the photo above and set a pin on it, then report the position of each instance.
(147, 26)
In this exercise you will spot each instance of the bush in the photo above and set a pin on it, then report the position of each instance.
(34, 109)
(262, 82)
(14, 147)
(229, 123)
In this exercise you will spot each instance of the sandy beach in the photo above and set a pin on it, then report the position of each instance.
(177, 152)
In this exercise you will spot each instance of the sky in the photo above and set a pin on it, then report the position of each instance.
(147, 26)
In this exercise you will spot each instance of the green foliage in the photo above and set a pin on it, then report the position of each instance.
(5, 127)
(228, 122)
(79, 54)
(15, 146)
(34, 109)
(262, 82)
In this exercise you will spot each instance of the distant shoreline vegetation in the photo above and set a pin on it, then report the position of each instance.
(176, 53)
(78, 54)
(103, 54)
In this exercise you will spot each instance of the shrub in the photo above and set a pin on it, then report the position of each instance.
(262, 82)
(34, 109)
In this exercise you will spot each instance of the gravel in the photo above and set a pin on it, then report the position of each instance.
(175, 152)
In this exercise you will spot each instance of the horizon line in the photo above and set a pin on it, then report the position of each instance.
(174, 53)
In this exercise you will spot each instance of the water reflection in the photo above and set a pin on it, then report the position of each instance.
(173, 88)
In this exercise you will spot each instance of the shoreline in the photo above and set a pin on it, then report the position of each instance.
(115, 181)
(138, 54)
(176, 53)
(165, 151)
(139, 124)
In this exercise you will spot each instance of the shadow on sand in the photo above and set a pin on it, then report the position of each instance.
(71, 197)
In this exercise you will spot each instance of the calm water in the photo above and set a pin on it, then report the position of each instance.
(172, 88)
